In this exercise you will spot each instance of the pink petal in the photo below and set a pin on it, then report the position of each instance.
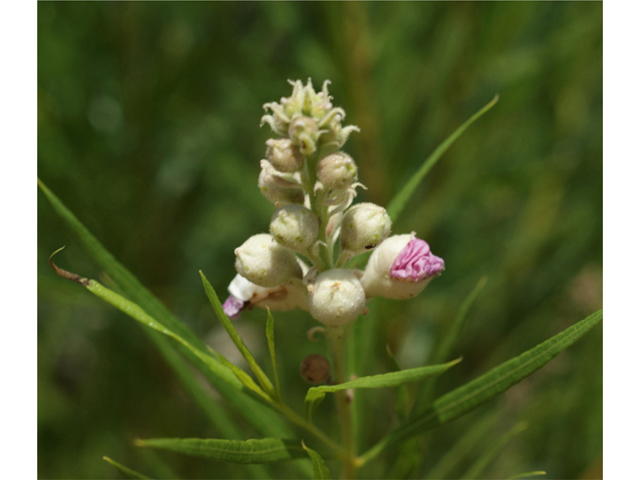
(415, 262)
(233, 306)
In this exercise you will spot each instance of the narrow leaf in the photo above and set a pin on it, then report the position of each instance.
(402, 394)
(126, 471)
(235, 337)
(265, 450)
(316, 394)
(473, 394)
(244, 378)
(480, 465)
(528, 474)
(320, 470)
(263, 419)
(397, 204)
(225, 371)
(272, 351)
(444, 348)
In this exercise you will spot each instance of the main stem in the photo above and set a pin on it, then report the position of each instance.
(337, 347)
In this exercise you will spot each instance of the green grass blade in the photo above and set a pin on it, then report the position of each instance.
(535, 473)
(320, 470)
(480, 465)
(444, 348)
(272, 351)
(126, 471)
(263, 419)
(393, 379)
(473, 394)
(397, 204)
(265, 450)
(263, 380)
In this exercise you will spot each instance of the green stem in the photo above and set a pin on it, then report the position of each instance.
(337, 347)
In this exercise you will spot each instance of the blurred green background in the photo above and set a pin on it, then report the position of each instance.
(148, 119)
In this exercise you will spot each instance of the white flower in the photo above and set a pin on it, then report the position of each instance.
(264, 262)
(336, 297)
(244, 294)
(363, 227)
(337, 171)
(400, 268)
(283, 155)
(294, 227)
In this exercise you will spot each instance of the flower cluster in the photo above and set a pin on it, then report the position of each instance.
(315, 231)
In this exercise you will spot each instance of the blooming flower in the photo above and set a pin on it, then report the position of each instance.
(400, 268)
(416, 262)
(245, 295)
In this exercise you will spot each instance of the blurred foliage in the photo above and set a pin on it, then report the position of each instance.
(148, 120)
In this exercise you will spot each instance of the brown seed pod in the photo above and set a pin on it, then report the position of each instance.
(315, 369)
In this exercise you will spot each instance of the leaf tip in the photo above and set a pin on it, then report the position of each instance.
(64, 273)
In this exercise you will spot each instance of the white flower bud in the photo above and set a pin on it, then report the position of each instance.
(294, 227)
(262, 261)
(276, 189)
(337, 171)
(336, 297)
(400, 268)
(283, 155)
(303, 132)
(363, 227)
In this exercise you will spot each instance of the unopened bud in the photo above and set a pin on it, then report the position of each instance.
(315, 369)
(363, 227)
(303, 132)
(283, 155)
(294, 227)
(336, 297)
(400, 268)
(262, 261)
(337, 171)
(277, 190)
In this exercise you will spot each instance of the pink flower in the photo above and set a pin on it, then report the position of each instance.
(400, 268)
(415, 262)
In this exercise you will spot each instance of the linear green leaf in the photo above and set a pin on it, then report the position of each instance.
(393, 379)
(479, 466)
(402, 394)
(535, 473)
(126, 471)
(397, 204)
(235, 337)
(320, 470)
(272, 351)
(444, 348)
(263, 419)
(473, 394)
(265, 450)
(223, 368)
(244, 378)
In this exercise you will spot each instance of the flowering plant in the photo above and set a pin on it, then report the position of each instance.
(310, 260)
